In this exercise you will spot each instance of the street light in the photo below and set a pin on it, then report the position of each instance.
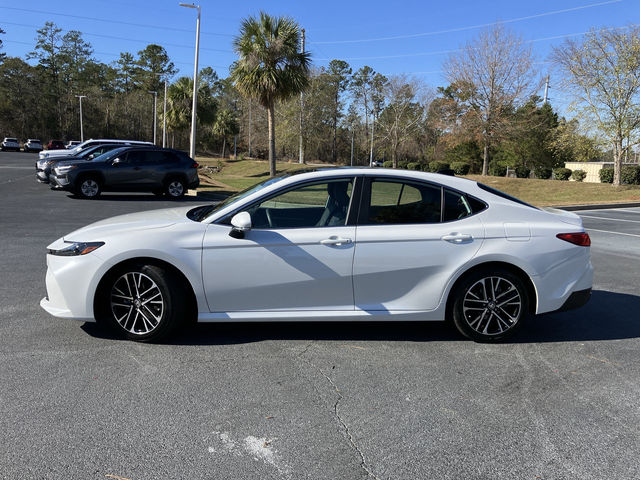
(80, 97)
(164, 117)
(192, 150)
(155, 114)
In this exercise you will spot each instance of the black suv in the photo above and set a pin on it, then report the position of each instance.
(128, 169)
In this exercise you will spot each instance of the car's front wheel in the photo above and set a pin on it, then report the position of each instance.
(142, 302)
(490, 305)
(176, 188)
(88, 187)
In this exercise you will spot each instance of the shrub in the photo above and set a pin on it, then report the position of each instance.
(606, 175)
(460, 168)
(630, 174)
(403, 165)
(542, 172)
(523, 172)
(436, 166)
(414, 166)
(387, 164)
(562, 173)
(497, 170)
(578, 175)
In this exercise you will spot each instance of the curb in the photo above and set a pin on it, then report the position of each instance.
(601, 206)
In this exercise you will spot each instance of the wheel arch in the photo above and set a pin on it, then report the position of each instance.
(92, 174)
(515, 270)
(192, 301)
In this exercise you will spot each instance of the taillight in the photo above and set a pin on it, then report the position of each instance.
(195, 165)
(581, 239)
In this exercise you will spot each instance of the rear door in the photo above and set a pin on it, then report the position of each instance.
(408, 245)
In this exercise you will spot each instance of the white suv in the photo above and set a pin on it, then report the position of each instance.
(86, 144)
(10, 143)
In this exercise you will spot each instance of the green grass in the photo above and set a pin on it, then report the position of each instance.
(236, 175)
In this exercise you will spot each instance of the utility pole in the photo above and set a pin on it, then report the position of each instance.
(80, 97)
(155, 114)
(235, 137)
(250, 128)
(302, 107)
(373, 129)
(192, 149)
(546, 90)
(352, 135)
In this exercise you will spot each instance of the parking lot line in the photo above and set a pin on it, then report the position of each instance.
(613, 233)
(611, 219)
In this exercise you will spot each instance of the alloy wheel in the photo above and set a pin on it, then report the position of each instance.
(492, 305)
(137, 303)
(90, 188)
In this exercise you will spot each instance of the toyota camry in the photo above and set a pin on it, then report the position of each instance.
(338, 244)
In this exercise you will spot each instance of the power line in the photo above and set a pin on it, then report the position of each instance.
(115, 21)
(460, 29)
(122, 38)
(424, 54)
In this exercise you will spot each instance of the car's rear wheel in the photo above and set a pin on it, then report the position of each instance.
(490, 305)
(88, 187)
(142, 302)
(176, 188)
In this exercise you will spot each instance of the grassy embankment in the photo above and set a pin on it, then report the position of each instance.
(235, 175)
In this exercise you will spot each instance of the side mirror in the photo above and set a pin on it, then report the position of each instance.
(115, 162)
(241, 223)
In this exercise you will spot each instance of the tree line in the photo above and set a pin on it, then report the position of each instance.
(276, 103)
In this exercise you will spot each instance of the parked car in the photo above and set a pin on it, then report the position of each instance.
(10, 143)
(88, 144)
(55, 145)
(33, 145)
(128, 169)
(72, 143)
(44, 166)
(428, 247)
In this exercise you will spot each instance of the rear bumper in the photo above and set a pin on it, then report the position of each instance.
(575, 300)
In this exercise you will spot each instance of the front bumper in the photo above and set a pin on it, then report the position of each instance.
(61, 181)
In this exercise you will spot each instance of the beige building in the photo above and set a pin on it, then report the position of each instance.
(592, 169)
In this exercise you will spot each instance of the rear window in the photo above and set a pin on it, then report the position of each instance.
(504, 195)
(12, 140)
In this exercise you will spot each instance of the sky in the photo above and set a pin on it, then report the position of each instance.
(392, 37)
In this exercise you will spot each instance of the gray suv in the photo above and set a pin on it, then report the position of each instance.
(128, 169)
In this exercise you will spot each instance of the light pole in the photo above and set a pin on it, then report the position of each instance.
(80, 97)
(155, 114)
(164, 116)
(192, 150)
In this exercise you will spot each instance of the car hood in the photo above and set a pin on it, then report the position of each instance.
(126, 223)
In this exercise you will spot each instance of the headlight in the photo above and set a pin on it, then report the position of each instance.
(65, 169)
(76, 248)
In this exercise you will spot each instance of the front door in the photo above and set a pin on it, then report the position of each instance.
(298, 256)
(126, 170)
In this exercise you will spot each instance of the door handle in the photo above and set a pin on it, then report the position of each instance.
(335, 241)
(456, 237)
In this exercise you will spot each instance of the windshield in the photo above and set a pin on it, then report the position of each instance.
(109, 155)
(209, 211)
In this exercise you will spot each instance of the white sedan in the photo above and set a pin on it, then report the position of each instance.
(331, 245)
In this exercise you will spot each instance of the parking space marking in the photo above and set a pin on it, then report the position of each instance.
(611, 219)
(613, 233)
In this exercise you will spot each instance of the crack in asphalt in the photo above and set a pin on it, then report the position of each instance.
(336, 412)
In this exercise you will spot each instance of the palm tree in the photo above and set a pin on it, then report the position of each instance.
(270, 66)
(180, 101)
(225, 126)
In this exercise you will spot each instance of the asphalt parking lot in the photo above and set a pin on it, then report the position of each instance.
(310, 401)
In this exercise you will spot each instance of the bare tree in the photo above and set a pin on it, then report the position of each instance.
(602, 73)
(404, 113)
(495, 74)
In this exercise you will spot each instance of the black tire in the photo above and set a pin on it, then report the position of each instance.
(141, 302)
(175, 188)
(88, 187)
(490, 305)
(158, 192)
